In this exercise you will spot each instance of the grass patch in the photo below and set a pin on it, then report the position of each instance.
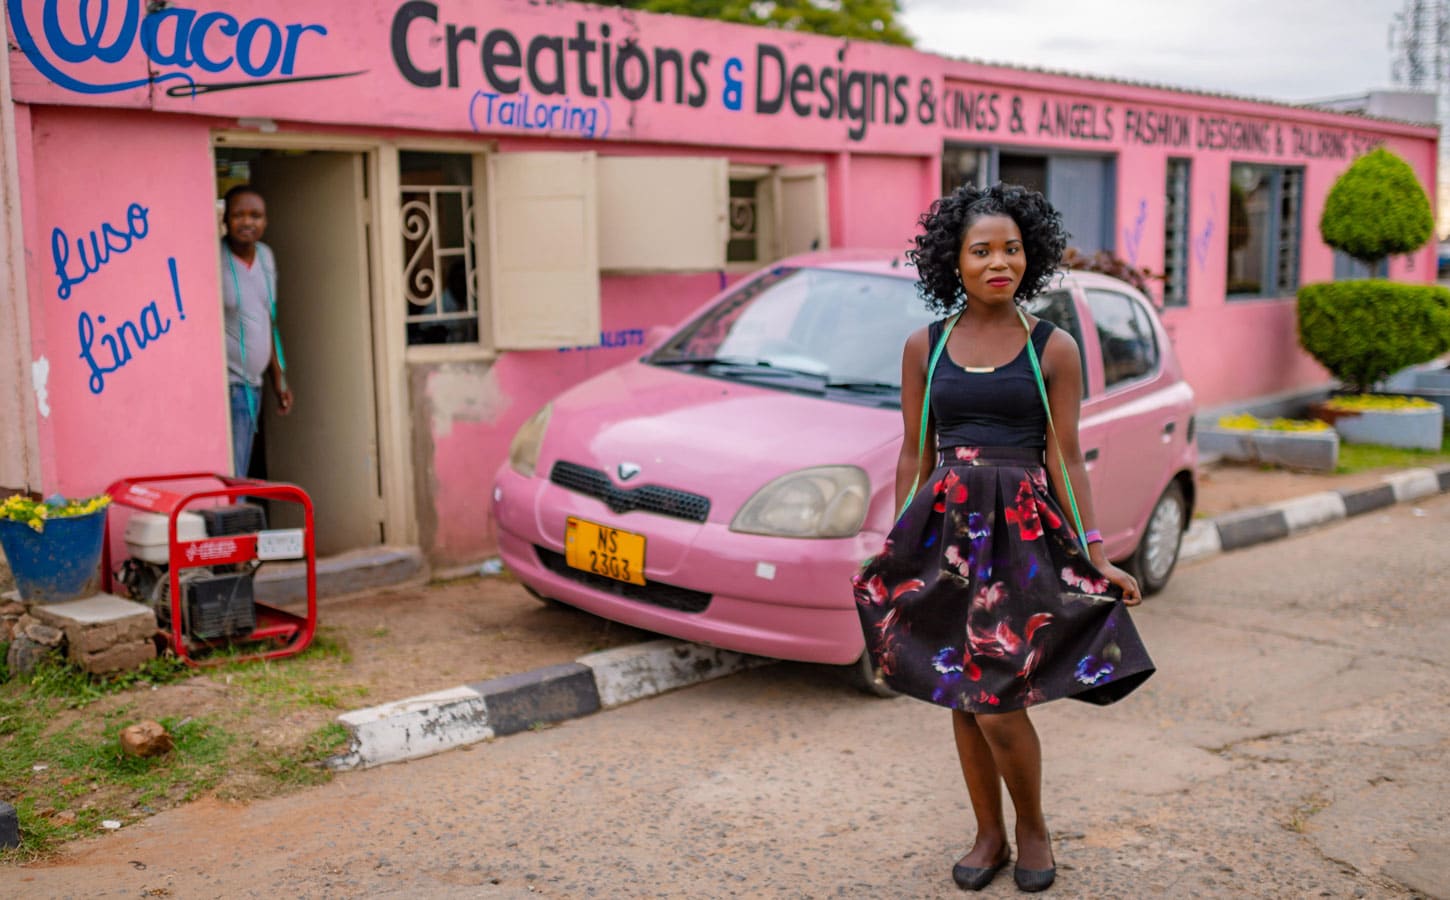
(64, 783)
(304, 766)
(75, 688)
(1362, 457)
(294, 682)
(1298, 821)
(244, 730)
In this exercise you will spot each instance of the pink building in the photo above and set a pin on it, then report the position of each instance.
(477, 203)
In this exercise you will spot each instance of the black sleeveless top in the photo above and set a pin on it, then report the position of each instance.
(1000, 408)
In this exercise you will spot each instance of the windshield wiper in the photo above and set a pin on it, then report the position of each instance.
(757, 366)
(703, 361)
(873, 387)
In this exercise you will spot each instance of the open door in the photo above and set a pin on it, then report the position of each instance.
(317, 227)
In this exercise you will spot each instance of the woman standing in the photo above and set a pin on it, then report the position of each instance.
(984, 599)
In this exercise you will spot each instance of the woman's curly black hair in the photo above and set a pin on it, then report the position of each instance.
(944, 226)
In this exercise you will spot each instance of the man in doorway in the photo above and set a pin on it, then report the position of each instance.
(249, 304)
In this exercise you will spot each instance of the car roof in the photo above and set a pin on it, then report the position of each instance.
(868, 260)
(880, 261)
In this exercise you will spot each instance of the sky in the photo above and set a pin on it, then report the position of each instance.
(1288, 50)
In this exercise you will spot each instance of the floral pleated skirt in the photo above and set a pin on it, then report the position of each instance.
(983, 600)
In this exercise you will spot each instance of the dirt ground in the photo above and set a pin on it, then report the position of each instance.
(398, 643)
(412, 641)
(1224, 487)
(370, 649)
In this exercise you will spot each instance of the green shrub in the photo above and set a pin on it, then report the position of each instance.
(1377, 208)
(1362, 331)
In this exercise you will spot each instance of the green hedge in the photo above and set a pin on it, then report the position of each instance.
(1364, 331)
(1377, 208)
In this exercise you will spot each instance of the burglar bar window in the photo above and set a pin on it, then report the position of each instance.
(1291, 190)
(1346, 266)
(1264, 224)
(964, 165)
(1175, 236)
(744, 245)
(440, 274)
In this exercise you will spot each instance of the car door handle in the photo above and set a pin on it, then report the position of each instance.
(1090, 455)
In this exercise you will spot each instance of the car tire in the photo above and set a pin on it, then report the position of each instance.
(862, 676)
(1152, 563)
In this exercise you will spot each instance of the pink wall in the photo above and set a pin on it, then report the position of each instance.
(136, 375)
(469, 441)
(92, 143)
(1231, 349)
(883, 202)
(372, 61)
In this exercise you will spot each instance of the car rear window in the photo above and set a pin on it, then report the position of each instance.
(1125, 334)
(1057, 307)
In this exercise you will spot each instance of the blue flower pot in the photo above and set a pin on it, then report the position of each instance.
(61, 563)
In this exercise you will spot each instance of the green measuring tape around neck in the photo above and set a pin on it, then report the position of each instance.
(271, 311)
(1046, 406)
(1052, 433)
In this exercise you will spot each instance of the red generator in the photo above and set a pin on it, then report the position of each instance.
(194, 543)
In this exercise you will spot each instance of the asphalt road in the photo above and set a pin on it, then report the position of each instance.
(1295, 743)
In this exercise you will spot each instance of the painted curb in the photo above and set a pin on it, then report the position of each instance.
(417, 726)
(1257, 525)
(1200, 541)
(626, 674)
(1247, 527)
(1311, 510)
(431, 723)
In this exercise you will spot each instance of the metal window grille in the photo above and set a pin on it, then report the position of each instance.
(1291, 189)
(744, 243)
(1176, 238)
(440, 278)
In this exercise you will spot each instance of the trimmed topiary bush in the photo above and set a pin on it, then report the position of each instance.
(1377, 208)
(1364, 331)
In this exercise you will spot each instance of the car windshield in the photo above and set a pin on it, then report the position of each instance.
(844, 329)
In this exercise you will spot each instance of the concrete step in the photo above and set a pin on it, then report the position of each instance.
(285, 584)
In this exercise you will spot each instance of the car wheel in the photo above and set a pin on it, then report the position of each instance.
(862, 676)
(1157, 552)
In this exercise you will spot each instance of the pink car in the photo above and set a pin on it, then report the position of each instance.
(724, 487)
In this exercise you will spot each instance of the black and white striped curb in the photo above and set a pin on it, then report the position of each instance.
(1247, 527)
(432, 723)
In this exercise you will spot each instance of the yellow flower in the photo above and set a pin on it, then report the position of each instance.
(20, 508)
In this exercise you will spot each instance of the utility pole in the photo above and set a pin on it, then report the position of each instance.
(1420, 61)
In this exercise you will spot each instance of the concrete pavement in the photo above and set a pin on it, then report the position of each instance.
(1295, 743)
(420, 726)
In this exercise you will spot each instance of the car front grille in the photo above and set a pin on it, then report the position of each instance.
(645, 498)
(655, 593)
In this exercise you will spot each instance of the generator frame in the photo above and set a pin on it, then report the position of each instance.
(157, 494)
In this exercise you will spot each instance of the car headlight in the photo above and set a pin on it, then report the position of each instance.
(524, 451)
(821, 502)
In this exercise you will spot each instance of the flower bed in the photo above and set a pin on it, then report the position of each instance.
(1388, 420)
(1291, 443)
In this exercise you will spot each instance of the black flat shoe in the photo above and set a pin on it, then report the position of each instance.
(974, 878)
(1033, 880)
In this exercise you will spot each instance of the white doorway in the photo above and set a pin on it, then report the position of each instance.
(318, 215)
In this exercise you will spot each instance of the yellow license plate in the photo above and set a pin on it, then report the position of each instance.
(604, 551)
